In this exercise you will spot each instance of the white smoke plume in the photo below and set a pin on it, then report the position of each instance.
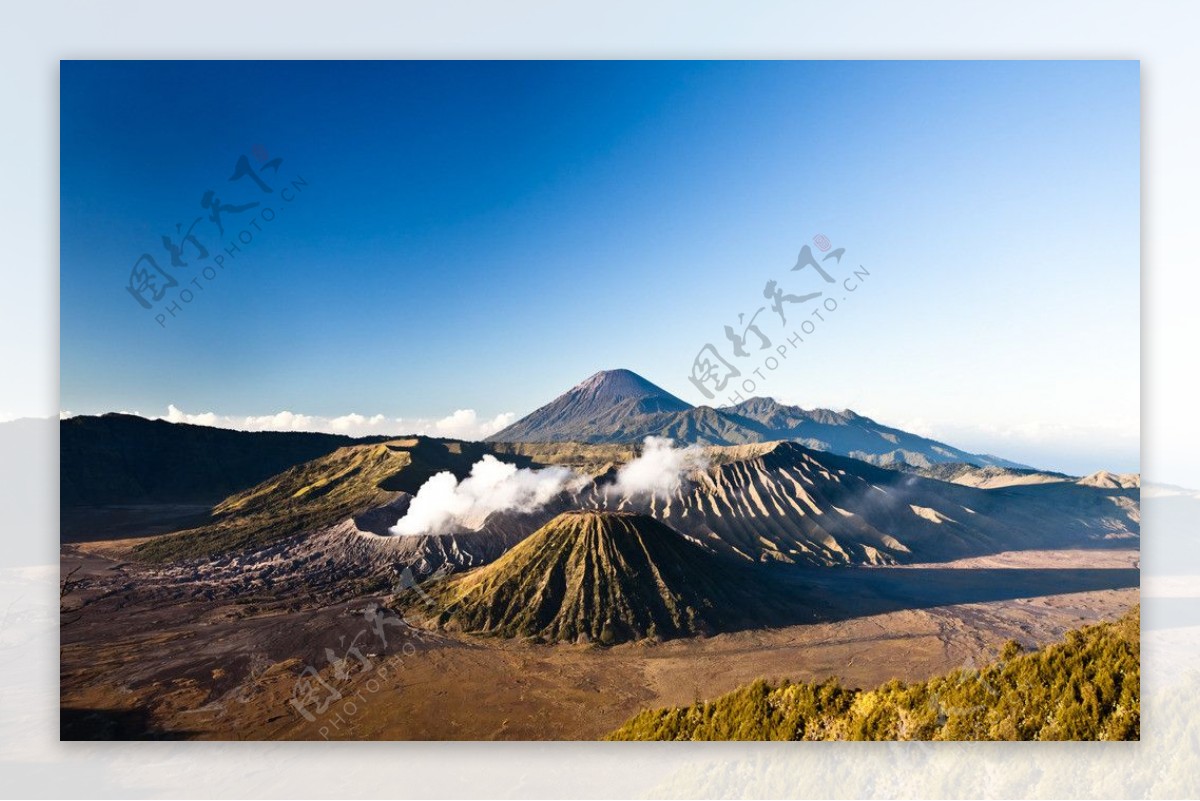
(659, 471)
(443, 503)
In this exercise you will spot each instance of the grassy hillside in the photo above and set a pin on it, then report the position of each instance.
(604, 577)
(1085, 688)
(317, 494)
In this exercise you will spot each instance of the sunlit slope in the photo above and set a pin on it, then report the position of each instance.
(1085, 688)
(604, 577)
(318, 494)
(783, 502)
(776, 502)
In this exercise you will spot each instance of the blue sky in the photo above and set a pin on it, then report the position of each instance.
(482, 236)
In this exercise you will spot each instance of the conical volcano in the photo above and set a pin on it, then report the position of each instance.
(606, 577)
(603, 402)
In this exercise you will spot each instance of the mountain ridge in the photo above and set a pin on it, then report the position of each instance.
(619, 406)
(126, 459)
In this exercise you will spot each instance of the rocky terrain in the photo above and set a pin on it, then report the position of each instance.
(189, 610)
(326, 524)
(606, 577)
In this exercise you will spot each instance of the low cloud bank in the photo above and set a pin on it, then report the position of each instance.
(462, 424)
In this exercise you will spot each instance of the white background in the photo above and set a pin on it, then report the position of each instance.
(35, 36)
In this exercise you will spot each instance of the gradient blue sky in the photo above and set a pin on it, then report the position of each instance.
(485, 235)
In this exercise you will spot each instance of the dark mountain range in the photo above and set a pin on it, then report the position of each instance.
(125, 459)
(602, 577)
(763, 502)
(621, 406)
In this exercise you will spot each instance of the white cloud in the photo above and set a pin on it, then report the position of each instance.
(284, 421)
(357, 422)
(444, 504)
(174, 415)
(462, 424)
(913, 425)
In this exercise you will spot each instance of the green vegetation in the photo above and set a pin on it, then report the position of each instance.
(302, 499)
(1085, 688)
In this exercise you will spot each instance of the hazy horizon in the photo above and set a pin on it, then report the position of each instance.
(466, 424)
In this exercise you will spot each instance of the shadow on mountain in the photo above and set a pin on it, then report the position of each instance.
(113, 724)
(843, 593)
(748, 598)
(93, 523)
(428, 457)
(611, 577)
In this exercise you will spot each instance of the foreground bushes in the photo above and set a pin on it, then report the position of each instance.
(1085, 688)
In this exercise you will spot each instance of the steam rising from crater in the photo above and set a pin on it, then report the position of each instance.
(444, 504)
(658, 471)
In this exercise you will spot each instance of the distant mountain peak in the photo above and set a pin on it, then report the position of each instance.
(621, 406)
(760, 407)
(620, 384)
(603, 399)
(1107, 480)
